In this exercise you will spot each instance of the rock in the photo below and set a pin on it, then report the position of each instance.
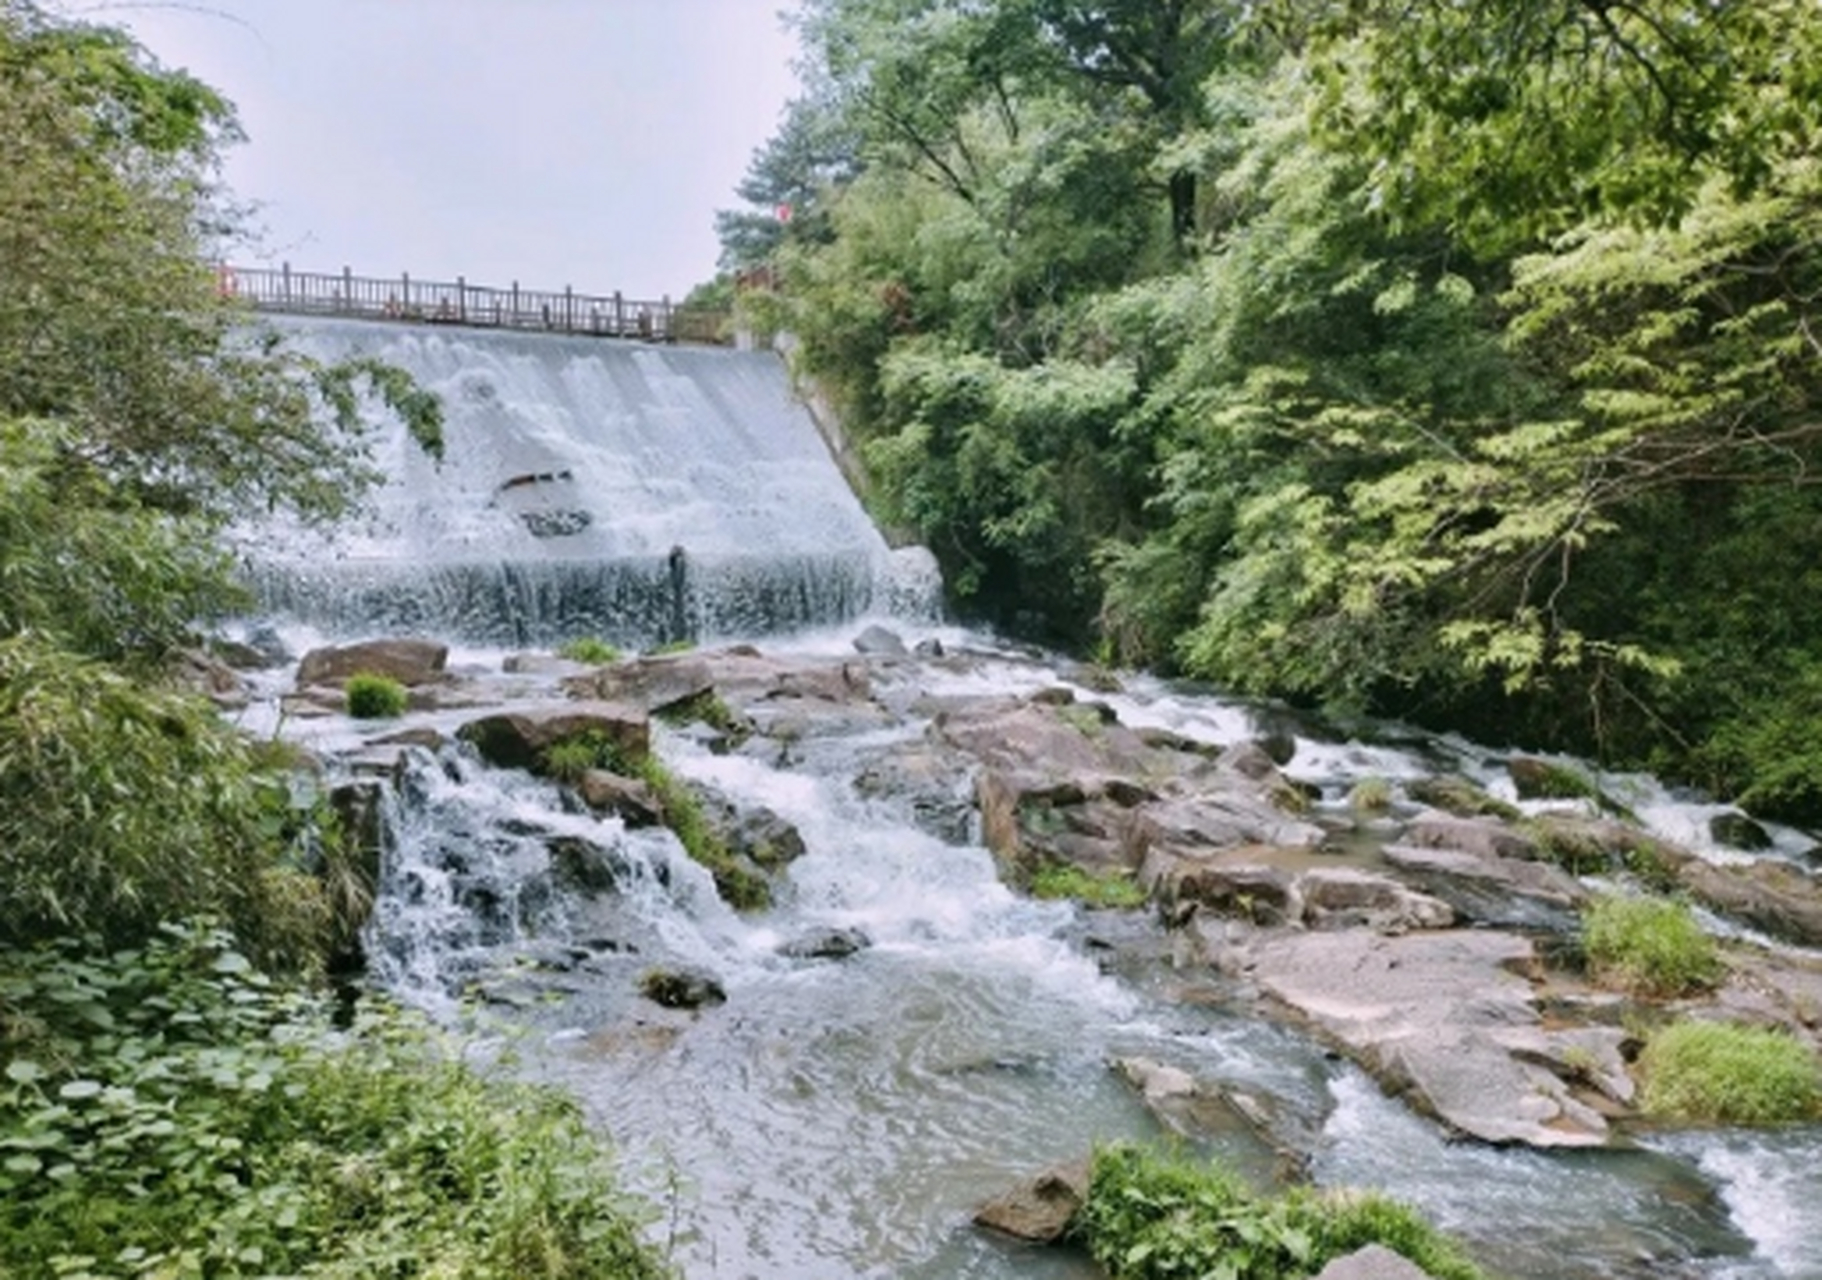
(878, 642)
(682, 988)
(1217, 820)
(937, 788)
(1231, 881)
(1342, 897)
(541, 664)
(410, 662)
(761, 836)
(214, 679)
(1536, 779)
(826, 944)
(417, 736)
(1481, 837)
(585, 866)
(1454, 794)
(519, 739)
(1737, 831)
(651, 684)
(632, 800)
(1375, 1262)
(1040, 1211)
(1774, 896)
(1494, 891)
(930, 647)
(1443, 1019)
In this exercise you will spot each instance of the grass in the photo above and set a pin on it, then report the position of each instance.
(1721, 1073)
(1062, 880)
(374, 697)
(1650, 946)
(1371, 795)
(591, 650)
(1150, 1217)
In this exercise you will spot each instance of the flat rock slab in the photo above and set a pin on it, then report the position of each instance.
(1447, 1020)
(1375, 1262)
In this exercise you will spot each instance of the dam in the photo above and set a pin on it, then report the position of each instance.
(643, 493)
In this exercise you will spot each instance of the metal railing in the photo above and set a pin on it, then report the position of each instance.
(457, 302)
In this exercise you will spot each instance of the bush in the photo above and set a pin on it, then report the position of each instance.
(1652, 946)
(123, 806)
(168, 1111)
(1726, 1074)
(1151, 1218)
(589, 649)
(374, 697)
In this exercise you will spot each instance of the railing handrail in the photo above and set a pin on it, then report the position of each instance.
(456, 302)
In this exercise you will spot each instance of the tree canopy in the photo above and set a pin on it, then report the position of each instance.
(1453, 361)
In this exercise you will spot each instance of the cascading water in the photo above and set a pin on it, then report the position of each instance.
(841, 1118)
(643, 494)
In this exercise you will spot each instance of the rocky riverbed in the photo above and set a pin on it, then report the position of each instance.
(1421, 925)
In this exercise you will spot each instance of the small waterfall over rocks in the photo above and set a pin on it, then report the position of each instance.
(642, 494)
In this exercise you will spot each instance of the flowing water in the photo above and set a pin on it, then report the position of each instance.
(842, 1118)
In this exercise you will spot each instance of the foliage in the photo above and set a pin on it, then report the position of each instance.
(592, 650)
(1721, 1073)
(1064, 880)
(1654, 946)
(167, 1111)
(123, 806)
(1152, 1218)
(710, 708)
(1371, 795)
(374, 697)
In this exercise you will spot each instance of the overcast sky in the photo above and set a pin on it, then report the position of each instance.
(581, 142)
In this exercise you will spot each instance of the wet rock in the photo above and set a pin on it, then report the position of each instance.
(1436, 1017)
(632, 800)
(878, 642)
(1777, 897)
(1041, 1210)
(410, 662)
(558, 522)
(1375, 1262)
(930, 647)
(652, 684)
(826, 944)
(1208, 1110)
(519, 739)
(937, 788)
(682, 988)
(1737, 831)
(753, 833)
(540, 664)
(417, 736)
(1217, 820)
(1536, 779)
(584, 866)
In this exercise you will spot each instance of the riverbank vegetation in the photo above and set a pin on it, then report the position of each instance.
(1454, 364)
(165, 1108)
(1724, 1073)
(1152, 1217)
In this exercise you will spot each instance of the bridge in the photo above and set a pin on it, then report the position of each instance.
(456, 302)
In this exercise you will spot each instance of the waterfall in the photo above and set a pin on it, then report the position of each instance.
(643, 494)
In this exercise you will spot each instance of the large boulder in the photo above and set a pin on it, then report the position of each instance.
(1375, 1262)
(1507, 892)
(1446, 1020)
(519, 739)
(410, 662)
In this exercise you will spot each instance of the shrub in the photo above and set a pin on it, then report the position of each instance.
(122, 806)
(168, 1111)
(374, 697)
(1653, 946)
(1371, 795)
(1061, 880)
(589, 649)
(1152, 1218)
(1727, 1074)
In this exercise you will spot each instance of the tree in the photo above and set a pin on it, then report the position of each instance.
(785, 187)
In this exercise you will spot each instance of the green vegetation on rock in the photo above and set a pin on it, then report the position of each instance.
(589, 649)
(1151, 1217)
(1064, 880)
(1653, 946)
(1719, 1073)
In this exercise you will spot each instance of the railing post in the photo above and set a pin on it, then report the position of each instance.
(670, 334)
(569, 310)
(619, 315)
(285, 276)
(462, 299)
(405, 306)
(347, 288)
(515, 304)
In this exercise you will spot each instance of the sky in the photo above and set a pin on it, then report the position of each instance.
(552, 142)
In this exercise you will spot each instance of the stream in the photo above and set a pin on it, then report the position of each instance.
(841, 1118)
